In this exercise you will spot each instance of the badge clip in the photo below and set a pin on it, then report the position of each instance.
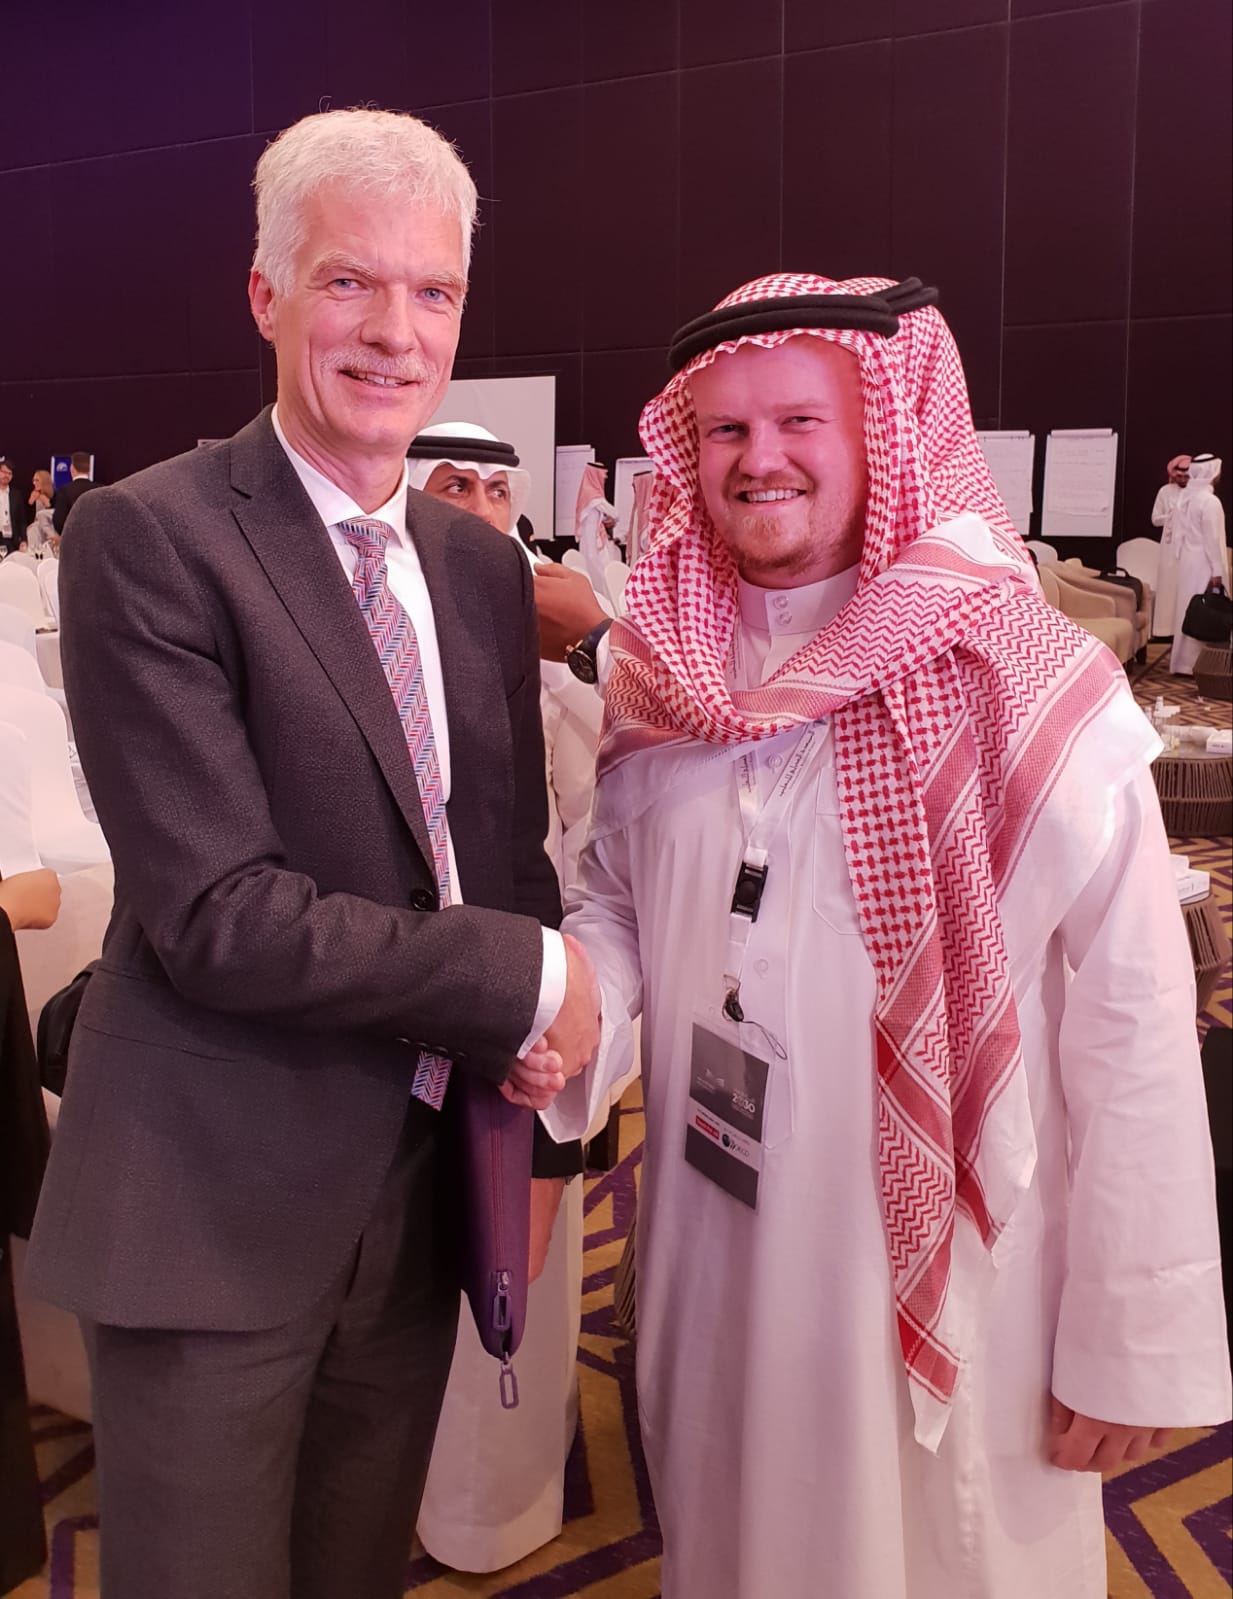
(747, 895)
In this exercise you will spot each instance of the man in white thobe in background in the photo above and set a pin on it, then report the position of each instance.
(927, 1233)
(495, 1485)
(1195, 552)
(1162, 517)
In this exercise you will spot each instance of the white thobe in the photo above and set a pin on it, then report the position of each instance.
(1165, 597)
(772, 1396)
(1198, 555)
(496, 1482)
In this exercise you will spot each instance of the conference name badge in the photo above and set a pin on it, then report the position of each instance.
(725, 1112)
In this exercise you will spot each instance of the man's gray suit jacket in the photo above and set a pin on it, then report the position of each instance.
(241, 1064)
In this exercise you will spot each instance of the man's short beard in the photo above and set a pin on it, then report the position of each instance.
(759, 550)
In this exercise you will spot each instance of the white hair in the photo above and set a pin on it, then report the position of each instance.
(385, 153)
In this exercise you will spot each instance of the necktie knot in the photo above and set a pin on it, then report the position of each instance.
(367, 535)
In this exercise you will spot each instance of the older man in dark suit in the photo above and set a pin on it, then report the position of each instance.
(307, 705)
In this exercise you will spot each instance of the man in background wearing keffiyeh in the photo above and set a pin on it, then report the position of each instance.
(927, 1234)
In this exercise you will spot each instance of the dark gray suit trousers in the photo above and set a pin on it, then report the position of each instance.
(288, 1463)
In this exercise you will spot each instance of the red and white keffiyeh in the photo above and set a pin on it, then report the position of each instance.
(955, 692)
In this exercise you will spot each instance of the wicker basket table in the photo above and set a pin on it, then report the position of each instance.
(1196, 792)
(1209, 946)
(1213, 673)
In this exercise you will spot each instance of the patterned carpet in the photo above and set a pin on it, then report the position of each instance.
(1169, 1519)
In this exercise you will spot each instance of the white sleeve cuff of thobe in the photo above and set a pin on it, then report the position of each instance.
(584, 1100)
(551, 987)
(603, 664)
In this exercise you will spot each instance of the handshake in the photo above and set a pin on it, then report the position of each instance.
(569, 1043)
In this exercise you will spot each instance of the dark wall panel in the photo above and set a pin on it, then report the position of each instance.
(946, 194)
(626, 212)
(1191, 411)
(837, 161)
(732, 32)
(536, 47)
(625, 38)
(289, 61)
(1183, 232)
(537, 196)
(469, 128)
(616, 385)
(452, 60)
(1070, 165)
(1061, 168)
(730, 190)
(809, 26)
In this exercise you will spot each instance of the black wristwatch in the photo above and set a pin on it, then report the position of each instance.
(583, 658)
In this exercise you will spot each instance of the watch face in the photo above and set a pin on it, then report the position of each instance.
(582, 664)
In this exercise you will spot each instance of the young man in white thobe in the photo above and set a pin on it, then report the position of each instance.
(927, 1234)
(1196, 552)
(1162, 517)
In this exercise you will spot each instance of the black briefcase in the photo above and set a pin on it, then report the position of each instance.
(1209, 617)
(56, 1029)
(1123, 579)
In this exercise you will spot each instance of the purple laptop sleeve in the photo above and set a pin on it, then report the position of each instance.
(495, 1143)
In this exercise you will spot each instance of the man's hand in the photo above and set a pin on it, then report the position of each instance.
(567, 608)
(574, 1034)
(545, 1202)
(1080, 1443)
(31, 899)
(536, 1080)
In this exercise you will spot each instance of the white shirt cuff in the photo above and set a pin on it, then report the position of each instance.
(551, 987)
(603, 664)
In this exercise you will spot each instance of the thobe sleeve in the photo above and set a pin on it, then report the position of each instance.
(1141, 1329)
(1160, 511)
(1213, 536)
(601, 916)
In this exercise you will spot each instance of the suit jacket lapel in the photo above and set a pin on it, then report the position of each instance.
(290, 541)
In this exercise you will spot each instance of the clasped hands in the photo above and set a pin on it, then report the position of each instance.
(569, 1043)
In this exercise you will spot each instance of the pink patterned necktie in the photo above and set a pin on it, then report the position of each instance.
(398, 650)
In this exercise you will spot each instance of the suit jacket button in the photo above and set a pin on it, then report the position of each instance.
(424, 899)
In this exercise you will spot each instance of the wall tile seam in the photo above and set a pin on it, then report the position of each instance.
(144, 149)
(130, 377)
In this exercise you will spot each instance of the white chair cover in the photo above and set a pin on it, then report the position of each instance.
(1141, 558)
(19, 587)
(18, 850)
(17, 628)
(19, 669)
(49, 582)
(1044, 552)
(47, 654)
(24, 558)
(66, 840)
(573, 559)
(616, 576)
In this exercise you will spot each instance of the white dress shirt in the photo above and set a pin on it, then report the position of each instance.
(406, 579)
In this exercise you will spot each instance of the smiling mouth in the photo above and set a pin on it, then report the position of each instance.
(768, 496)
(377, 380)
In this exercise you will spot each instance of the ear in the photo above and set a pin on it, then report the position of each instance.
(263, 303)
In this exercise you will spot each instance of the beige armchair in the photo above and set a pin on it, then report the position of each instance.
(1095, 612)
(1128, 608)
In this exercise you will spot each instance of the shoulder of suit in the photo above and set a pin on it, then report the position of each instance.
(469, 537)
